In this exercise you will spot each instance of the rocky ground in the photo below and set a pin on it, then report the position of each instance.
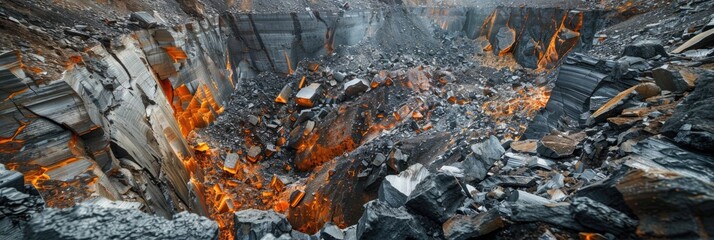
(435, 138)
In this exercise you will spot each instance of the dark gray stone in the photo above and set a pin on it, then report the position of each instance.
(331, 232)
(645, 49)
(381, 222)
(86, 221)
(600, 217)
(485, 154)
(558, 214)
(254, 224)
(436, 197)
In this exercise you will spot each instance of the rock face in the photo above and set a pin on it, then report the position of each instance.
(380, 221)
(86, 221)
(254, 224)
(436, 197)
(670, 190)
(692, 123)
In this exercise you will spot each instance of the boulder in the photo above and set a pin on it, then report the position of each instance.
(557, 146)
(436, 197)
(382, 222)
(356, 86)
(252, 224)
(485, 154)
(600, 217)
(645, 49)
(670, 78)
(396, 188)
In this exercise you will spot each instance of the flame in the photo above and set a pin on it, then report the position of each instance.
(526, 103)
(558, 47)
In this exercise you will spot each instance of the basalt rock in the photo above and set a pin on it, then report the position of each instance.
(380, 221)
(395, 189)
(254, 224)
(485, 154)
(645, 49)
(602, 218)
(436, 197)
(87, 221)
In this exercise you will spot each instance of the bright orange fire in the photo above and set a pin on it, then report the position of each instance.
(559, 47)
(194, 110)
(526, 103)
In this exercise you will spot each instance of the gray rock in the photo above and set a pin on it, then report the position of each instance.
(645, 49)
(602, 218)
(379, 221)
(356, 86)
(485, 154)
(509, 181)
(86, 221)
(11, 179)
(668, 78)
(436, 197)
(254, 224)
(558, 214)
(331, 232)
(145, 19)
(396, 188)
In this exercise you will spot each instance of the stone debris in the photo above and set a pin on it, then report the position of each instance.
(396, 188)
(436, 197)
(254, 224)
(380, 221)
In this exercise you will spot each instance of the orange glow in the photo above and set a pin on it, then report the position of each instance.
(526, 103)
(288, 62)
(202, 147)
(73, 60)
(558, 47)
(177, 54)
(302, 82)
(194, 110)
(12, 144)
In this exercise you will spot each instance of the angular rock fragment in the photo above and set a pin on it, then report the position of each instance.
(145, 19)
(508, 181)
(379, 221)
(600, 217)
(308, 96)
(559, 145)
(525, 146)
(87, 221)
(396, 188)
(461, 227)
(645, 49)
(254, 224)
(356, 86)
(558, 214)
(505, 39)
(670, 78)
(284, 95)
(436, 197)
(485, 154)
(525, 198)
(331, 232)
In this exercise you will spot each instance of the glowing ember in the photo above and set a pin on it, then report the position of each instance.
(525, 104)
